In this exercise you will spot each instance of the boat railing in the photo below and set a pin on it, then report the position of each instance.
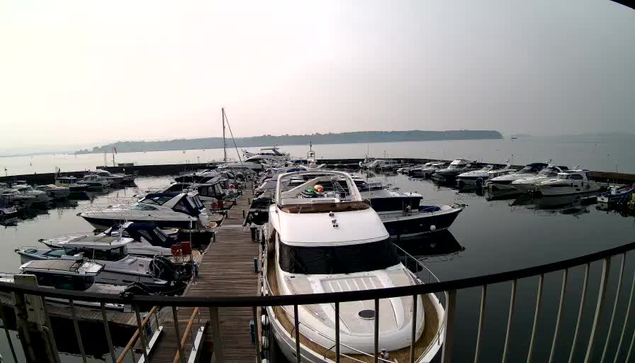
(595, 332)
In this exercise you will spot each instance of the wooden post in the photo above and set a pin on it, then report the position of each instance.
(34, 327)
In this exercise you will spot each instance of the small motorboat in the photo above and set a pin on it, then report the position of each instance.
(75, 275)
(502, 185)
(72, 183)
(55, 192)
(404, 217)
(616, 194)
(426, 170)
(449, 174)
(120, 268)
(568, 183)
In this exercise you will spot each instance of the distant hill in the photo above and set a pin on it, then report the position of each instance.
(317, 138)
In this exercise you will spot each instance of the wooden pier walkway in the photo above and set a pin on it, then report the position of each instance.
(226, 269)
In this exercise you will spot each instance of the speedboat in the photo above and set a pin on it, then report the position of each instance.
(616, 194)
(113, 178)
(383, 165)
(529, 183)
(142, 239)
(156, 273)
(449, 174)
(54, 192)
(568, 183)
(75, 275)
(502, 185)
(266, 154)
(72, 183)
(96, 182)
(470, 178)
(211, 193)
(167, 210)
(404, 217)
(333, 241)
(426, 170)
(39, 197)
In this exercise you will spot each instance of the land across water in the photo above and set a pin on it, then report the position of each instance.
(610, 154)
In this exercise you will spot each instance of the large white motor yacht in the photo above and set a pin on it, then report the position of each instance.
(528, 183)
(266, 154)
(568, 183)
(503, 183)
(166, 210)
(332, 241)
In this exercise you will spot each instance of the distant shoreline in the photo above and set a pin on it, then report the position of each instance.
(360, 137)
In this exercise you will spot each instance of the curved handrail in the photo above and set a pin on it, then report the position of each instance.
(324, 298)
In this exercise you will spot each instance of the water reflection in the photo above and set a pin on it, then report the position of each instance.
(438, 244)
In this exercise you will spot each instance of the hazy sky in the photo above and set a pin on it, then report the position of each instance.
(87, 72)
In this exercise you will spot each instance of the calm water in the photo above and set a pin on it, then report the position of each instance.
(488, 237)
(595, 153)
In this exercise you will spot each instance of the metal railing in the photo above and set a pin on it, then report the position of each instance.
(447, 326)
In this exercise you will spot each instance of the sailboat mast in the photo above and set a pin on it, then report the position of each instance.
(224, 143)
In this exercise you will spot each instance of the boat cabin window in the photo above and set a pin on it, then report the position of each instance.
(142, 206)
(64, 282)
(55, 253)
(338, 259)
(571, 176)
(158, 200)
(115, 254)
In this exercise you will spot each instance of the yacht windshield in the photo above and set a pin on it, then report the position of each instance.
(338, 260)
(547, 171)
(158, 199)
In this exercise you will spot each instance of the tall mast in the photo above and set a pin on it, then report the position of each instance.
(224, 143)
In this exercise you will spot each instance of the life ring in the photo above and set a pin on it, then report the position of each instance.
(176, 250)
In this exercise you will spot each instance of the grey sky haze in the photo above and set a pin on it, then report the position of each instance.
(82, 72)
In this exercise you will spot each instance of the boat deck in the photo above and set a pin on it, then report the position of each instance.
(427, 338)
(226, 269)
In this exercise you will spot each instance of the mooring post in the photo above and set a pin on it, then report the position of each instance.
(34, 329)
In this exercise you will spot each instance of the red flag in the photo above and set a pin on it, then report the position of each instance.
(115, 150)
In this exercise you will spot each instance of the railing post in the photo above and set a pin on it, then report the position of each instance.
(258, 330)
(541, 281)
(296, 325)
(580, 311)
(216, 338)
(142, 334)
(413, 332)
(107, 331)
(617, 299)
(563, 292)
(481, 324)
(376, 332)
(337, 332)
(78, 335)
(6, 331)
(606, 269)
(175, 318)
(628, 312)
(449, 327)
(510, 317)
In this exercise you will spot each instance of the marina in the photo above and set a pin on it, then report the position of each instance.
(230, 265)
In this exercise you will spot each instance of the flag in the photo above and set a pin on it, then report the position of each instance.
(115, 150)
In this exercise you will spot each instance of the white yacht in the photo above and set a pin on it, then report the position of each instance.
(568, 183)
(70, 182)
(142, 239)
(480, 176)
(528, 183)
(54, 192)
(167, 210)
(503, 184)
(449, 174)
(114, 179)
(425, 170)
(333, 241)
(266, 154)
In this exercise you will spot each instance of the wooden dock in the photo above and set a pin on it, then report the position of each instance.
(226, 269)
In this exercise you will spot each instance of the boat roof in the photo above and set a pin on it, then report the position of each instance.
(73, 267)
